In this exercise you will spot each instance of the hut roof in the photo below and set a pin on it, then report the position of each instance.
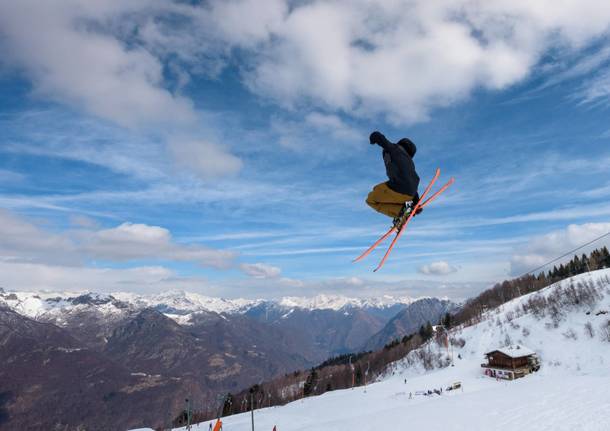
(514, 351)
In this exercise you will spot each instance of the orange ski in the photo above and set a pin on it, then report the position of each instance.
(421, 204)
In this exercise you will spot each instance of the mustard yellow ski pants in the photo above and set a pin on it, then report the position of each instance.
(386, 201)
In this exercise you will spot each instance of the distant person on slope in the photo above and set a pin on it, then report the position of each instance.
(391, 197)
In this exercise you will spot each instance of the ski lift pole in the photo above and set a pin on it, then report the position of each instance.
(188, 413)
(219, 405)
(450, 349)
(252, 408)
(352, 368)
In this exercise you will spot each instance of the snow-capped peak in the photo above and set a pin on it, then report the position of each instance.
(173, 303)
(181, 302)
(337, 302)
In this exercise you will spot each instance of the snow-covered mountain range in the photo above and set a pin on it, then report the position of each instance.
(156, 346)
(177, 304)
(337, 302)
(332, 324)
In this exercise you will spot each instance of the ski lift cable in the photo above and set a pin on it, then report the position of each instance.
(566, 254)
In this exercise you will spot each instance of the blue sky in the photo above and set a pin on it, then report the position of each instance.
(222, 147)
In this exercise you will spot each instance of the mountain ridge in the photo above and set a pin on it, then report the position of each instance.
(33, 304)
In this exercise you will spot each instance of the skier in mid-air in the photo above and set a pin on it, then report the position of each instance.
(396, 197)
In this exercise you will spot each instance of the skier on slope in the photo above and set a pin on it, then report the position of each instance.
(391, 197)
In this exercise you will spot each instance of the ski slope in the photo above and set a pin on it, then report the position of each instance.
(570, 392)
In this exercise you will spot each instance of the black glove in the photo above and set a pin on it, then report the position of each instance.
(415, 202)
(415, 199)
(376, 137)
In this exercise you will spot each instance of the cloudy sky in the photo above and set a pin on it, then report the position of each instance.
(222, 147)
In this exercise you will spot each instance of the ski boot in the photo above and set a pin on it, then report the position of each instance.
(402, 216)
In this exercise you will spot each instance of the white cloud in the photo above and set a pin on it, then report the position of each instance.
(90, 55)
(71, 58)
(246, 22)
(581, 67)
(83, 221)
(23, 241)
(598, 192)
(314, 131)
(543, 248)
(399, 58)
(260, 270)
(354, 281)
(57, 134)
(139, 241)
(38, 276)
(582, 212)
(10, 176)
(596, 89)
(335, 127)
(34, 258)
(437, 268)
(404, 58)
(155, 279)
(204, 158)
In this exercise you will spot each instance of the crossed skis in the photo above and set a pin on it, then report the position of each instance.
(421, 204)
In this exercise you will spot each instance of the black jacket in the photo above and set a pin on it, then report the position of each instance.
(398, 165)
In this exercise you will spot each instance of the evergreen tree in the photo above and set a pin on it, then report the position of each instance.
(227, 407)
(575, 266)
(594, 260)
(310, 383)
(585, 263)
(541, 280)
(446, 320)
(605, 255)
(358, 376)
(426, 331)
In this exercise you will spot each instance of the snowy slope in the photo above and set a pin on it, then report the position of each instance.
(570, 392)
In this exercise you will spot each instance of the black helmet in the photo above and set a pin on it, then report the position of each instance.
(408, 145)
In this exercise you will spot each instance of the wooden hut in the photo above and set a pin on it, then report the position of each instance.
(511, 362)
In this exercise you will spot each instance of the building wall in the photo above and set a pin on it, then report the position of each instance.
(499, 373)
(499, 359)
